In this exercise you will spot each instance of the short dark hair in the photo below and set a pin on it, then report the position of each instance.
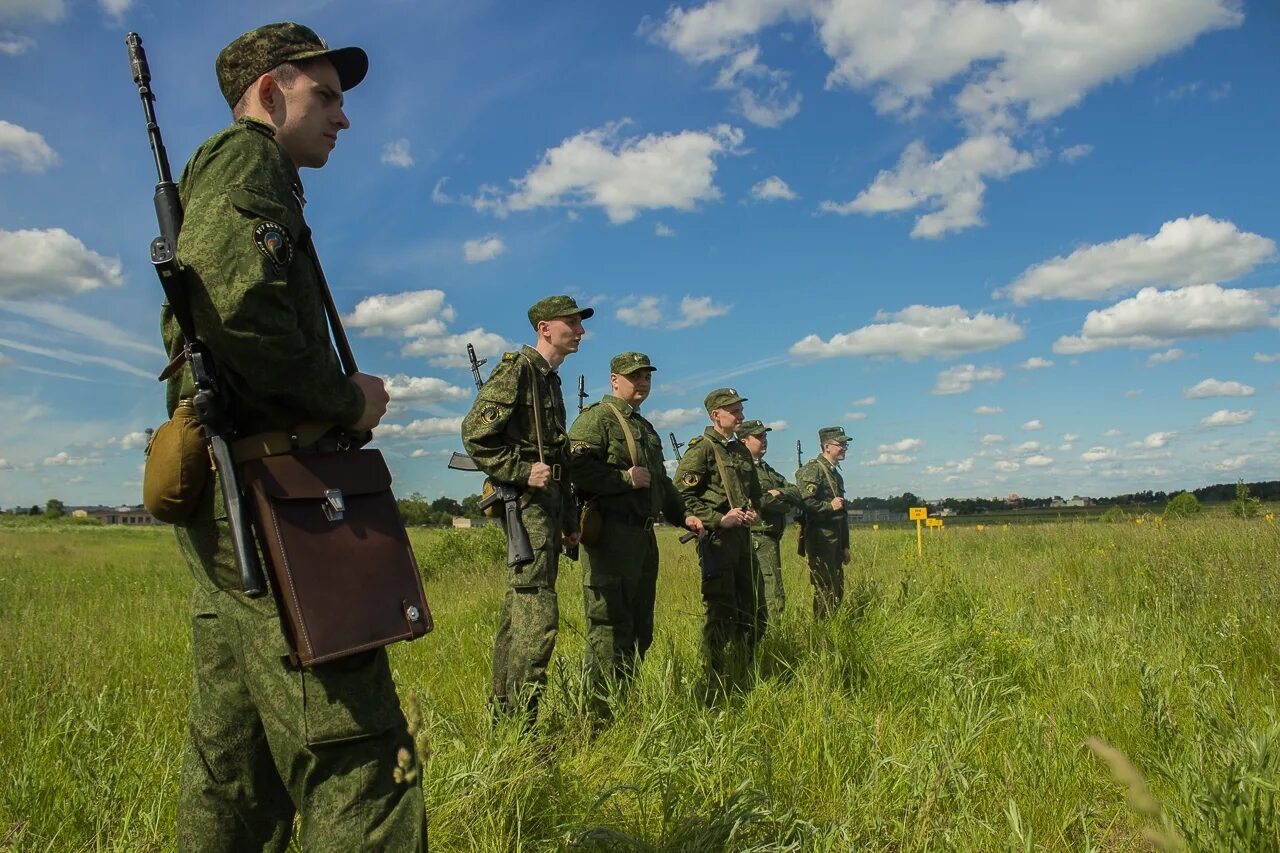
(286, 74)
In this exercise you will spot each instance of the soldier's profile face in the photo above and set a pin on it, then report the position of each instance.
(563, 333)
(728, 418)
(633, 388)
(313, 115)
(756, 444)
(838, 449)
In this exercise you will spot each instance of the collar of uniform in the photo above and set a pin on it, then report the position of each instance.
(710, 432)
(620, 404)
(825, 461)
(259, 126)
(535, 358)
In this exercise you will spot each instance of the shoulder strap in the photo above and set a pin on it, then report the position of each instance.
(626, 432)
(831, 483)
(537, 405)
(718, 451)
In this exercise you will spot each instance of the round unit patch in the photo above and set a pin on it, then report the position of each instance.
(273, 242)
(489, 414)
(690, 479)
(811, 489)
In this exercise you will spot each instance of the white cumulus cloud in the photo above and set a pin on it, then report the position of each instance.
(1036, 363)
(992, 438)
(662, 230)
(622, 175)
(891, 459)
(961, 378)
(1075, 152)
(485, 248)
(1266, 358)
(1169, 355)
(422, 428)
(1154, 441)
(424, 390)
(1033, 424)
(396, 153)
(1098, 454)
(1005, 466)
(1226, 417)
(1155, 318)
(773, 189)
(988, 410)
(696, 310)
(916, 332)
(1038, 461)
(39, 264)
(671, 418)
(1215, 388)
(865, 401)
(1188, 251)
(640, 311)
(422, 319)
(906, 445)
(22, 149)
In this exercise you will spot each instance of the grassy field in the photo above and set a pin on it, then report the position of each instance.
(948, 708)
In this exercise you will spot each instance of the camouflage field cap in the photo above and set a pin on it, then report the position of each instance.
(627, 363)
(753, 428)
(721, 398)
(556, 306)
(258, 51)
(836, 434)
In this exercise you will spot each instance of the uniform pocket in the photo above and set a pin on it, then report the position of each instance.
(349, 699)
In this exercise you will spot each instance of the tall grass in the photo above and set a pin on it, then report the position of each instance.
(947, 707)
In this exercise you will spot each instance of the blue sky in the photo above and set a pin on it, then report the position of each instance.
(1012, 247)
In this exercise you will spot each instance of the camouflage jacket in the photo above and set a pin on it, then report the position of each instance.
(814, 482)
(500, 430)
(774, 510)
(255, 288)
(599, 459)
(699, 483)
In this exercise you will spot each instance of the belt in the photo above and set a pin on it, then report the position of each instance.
(309, 436)
(629, 520)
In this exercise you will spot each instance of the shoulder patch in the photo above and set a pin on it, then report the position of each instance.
(578, 448)
(508, 357)
(273, 241)
(489, 414)
(811, 489)
(695, 440)
(690, 479)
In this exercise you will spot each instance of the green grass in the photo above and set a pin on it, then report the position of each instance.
(947, 708)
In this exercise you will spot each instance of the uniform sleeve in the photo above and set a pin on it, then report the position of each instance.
(589, 457)
(754, 491)
(488, 432)
(691, 484)
(812, 492)
(239, 243)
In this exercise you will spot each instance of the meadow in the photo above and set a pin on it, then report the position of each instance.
(1069, 686)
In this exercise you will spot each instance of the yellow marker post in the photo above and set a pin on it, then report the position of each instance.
(918, 514)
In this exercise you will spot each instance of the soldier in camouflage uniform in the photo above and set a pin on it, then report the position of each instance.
(826, 532)
(516, 433)
(778, 497)
(717, 479)
(617, 465)
(265, 739)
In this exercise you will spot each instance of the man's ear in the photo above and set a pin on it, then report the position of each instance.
(268, 92)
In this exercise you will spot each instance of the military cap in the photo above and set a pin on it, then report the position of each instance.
(627, 363)
(753, 428)
(722, 397)
(258, 51)
(836, 434)
(556, 306)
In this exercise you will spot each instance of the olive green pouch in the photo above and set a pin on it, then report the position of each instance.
(590, 523)
(178, 466)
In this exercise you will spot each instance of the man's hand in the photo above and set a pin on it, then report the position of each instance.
(844, 560)
(639, 477)
(539, 475)
(735, 517)
(750, 516)
(777, 493)
(837, 504)
(571, 539)
(694, 524)
(375, 401)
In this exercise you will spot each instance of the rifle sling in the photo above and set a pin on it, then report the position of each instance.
(626, 433)
(718, 453)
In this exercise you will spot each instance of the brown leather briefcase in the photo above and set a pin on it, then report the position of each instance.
(340, 560)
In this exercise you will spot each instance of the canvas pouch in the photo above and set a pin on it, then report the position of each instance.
(178, 466)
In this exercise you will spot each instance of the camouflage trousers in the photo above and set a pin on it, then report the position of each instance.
(732, 594)
(619, 584)
(265, 739)
(826, 569)
(768, 554)
(530, 615)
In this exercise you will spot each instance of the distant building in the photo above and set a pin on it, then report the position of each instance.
(132, 515)
(1076, 500)
(460, 523)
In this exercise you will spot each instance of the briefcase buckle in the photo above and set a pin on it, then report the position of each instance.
(334, 506)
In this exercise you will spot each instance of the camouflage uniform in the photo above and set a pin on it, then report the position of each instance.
(731, 587)
(766, 536)
(826, 534)
(265, 739)
(620, 568)
(499, 433)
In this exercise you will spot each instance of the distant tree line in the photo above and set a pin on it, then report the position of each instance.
(417, 511)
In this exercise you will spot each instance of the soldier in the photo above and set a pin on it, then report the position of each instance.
(777, 498)
(515, 432)
(265, 740)
(617, 465)
(826, 535)
(717, 479)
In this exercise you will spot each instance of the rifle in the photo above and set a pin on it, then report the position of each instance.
(675, 447)
(572, 551)
(582, 391)
(209, 400)
(519, 549)
(800, 549)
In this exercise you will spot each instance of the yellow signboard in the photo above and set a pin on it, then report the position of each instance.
(933, 522)
(917, 513)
